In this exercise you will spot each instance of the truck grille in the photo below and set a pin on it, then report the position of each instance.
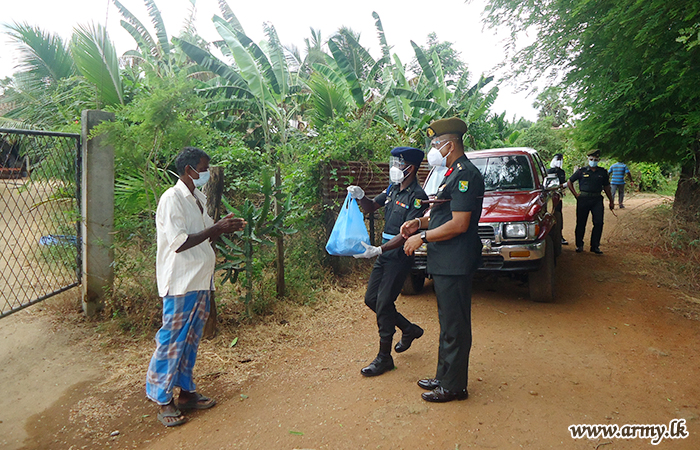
(487, 232)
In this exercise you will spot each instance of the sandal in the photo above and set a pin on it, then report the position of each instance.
(163, 416)
(198, 401)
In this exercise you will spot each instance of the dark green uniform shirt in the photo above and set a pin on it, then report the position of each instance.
(400, 206)
(463, 186)
(591, 181)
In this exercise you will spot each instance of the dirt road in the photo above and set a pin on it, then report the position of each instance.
(614, 349)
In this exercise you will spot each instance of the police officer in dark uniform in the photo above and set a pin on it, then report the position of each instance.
(555, 168)
(454, 254)
(591, 181)
(402, 201)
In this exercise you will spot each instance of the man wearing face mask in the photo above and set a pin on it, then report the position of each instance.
(402, 201)
(591, 181)
(185, 274)
(454, 254)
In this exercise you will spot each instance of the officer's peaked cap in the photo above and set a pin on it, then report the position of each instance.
(595, 153)
(411, 155)
(453, 125)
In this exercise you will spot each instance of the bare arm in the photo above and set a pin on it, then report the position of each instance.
(228, 224)
(368, 205)
(572, 189)
(608, 192)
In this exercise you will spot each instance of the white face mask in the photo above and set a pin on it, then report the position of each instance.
(556, 163)
(593, 163)
(203, 178)
(435, 158)
(396, 175)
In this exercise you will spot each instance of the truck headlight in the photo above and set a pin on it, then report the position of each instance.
(521, 230)
(515, 231)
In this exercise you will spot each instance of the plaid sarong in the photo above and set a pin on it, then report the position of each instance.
(177, 342)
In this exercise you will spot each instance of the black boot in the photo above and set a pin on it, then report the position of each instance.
(414, 332)
(382, 363)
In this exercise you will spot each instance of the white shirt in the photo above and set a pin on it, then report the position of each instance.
(177, 217)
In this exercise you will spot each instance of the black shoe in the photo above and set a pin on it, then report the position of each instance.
(564, 242)
(429, 383)
(442, 395)
(381, 364)
(407, 338)
(597, 250)
(579, 249)
(622, 206)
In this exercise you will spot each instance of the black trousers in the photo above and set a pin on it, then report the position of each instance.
(594, 205)
(454, 300)
(384, 286)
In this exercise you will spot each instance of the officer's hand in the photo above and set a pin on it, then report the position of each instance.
(356, 192)
(412, 244)
(409, 228)
(370, 252)
(612, 205)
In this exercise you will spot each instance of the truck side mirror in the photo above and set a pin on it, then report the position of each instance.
(551, 182)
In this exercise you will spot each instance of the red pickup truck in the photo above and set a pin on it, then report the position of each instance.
(519, 228)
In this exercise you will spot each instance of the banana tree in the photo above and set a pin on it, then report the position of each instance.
(259, 84)
(264, 224)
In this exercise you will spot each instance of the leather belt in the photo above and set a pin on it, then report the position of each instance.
(589, 194)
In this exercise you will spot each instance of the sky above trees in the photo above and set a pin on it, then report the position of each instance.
(452, 20)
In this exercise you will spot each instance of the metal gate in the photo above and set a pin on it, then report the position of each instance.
(40, 232)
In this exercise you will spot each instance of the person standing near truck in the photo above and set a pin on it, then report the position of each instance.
(555, 168)
(617, 174)
(454, 254)
(591, 181)
(402, 201)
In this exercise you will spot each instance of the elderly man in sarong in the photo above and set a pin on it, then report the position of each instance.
(185, 273)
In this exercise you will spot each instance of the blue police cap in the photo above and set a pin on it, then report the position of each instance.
(411, 155)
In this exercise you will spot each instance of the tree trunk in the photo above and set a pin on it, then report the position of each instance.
(687, 200)
(213, 190)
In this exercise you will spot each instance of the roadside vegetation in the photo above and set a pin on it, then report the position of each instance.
(266, 110)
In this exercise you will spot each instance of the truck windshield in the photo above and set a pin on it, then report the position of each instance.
(505, 173)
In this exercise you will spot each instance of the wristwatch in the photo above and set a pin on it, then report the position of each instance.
(423, 237)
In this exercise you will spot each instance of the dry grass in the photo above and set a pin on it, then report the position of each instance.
(289, 325)
(663, 246)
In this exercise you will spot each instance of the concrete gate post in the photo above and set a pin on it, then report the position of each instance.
(97, 212)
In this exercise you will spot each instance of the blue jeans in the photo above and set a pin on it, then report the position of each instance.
(621, 189)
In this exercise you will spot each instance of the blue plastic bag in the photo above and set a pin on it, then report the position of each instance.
(349, 231)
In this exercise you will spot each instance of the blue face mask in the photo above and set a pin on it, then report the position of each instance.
(592, 163)
(203, 178)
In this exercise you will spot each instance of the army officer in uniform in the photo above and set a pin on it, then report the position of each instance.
(402, 201)
(454, 254)
(591, 181)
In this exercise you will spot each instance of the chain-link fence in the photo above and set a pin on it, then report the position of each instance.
(40, 242)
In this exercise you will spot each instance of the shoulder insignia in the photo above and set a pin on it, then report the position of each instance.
(459, 166)
(416, 203)
(463, 185)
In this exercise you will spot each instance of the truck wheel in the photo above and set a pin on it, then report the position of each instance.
(556, 234)
(413, 284)
(542, 281)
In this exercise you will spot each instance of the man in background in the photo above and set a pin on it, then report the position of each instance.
(555, 167)
(592, 180)
(617, 174)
